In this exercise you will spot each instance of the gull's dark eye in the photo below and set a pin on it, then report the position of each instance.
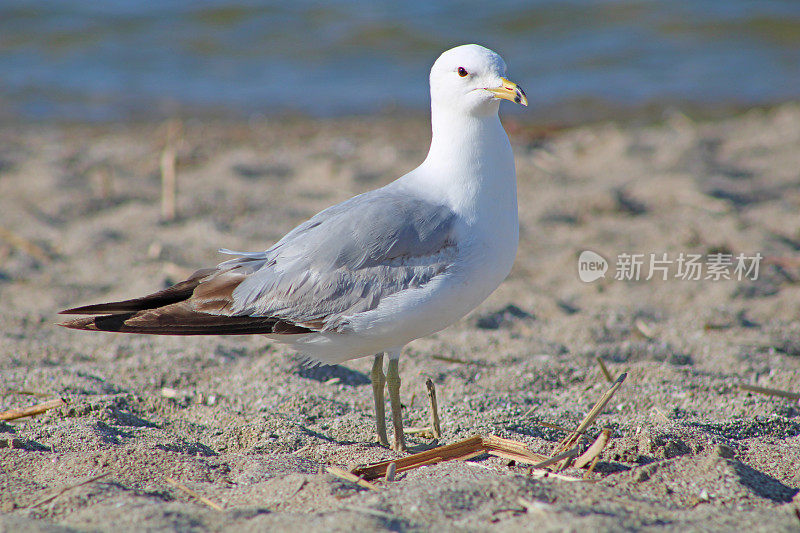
(462, 72)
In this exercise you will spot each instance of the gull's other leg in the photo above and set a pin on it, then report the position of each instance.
(393, 382)
(378, 382)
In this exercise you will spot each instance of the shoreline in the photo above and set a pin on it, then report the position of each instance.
(570, 114)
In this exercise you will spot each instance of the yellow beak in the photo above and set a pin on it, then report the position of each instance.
(510, 91)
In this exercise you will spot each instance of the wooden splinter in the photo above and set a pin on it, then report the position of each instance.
(435, 425)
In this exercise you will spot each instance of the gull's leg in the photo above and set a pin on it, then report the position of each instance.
(393, 382)
(378, 382)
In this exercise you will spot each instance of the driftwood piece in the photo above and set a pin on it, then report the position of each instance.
(214, 505)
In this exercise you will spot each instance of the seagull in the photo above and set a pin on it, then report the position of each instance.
(375, 272)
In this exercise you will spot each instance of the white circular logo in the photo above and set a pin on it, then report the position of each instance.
(591, 266)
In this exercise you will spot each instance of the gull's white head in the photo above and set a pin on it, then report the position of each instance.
(471, 79)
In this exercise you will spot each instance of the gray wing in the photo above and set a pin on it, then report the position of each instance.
(342, 261)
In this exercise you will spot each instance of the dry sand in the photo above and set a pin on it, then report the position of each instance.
(244, 424)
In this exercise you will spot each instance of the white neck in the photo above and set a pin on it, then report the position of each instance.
(471, 164)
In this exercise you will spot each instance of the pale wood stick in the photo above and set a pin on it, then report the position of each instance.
(437, 430)
(29, 393)
(169, 184)
(553, 460)
(570, 439)
(511, 449)
(604, 369)
(532, 506)
(451, 359)
(549, 474)
(594, 450)
(429, 462)
(190, 492)
(391, 471)
(517, 457)
(21, 243)
(573, 437)
(422, 429)
(553, 426)
(591, 467)
(349, 476)
(770, 391)
(367, 510)
(13, 414)
(302, 450)
(545, 424)
(662, 415)
(169, 176)
(66, 489)
(644, 329)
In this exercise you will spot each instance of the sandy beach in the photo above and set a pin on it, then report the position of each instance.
(242, 422)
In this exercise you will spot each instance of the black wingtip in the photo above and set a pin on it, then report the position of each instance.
(110, 308)
(84, 310)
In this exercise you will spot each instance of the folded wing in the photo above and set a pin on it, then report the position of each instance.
(341, 262)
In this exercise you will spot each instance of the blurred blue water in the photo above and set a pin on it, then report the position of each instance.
(110, 59)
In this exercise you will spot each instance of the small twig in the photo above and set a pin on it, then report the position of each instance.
(435, 425)
(297, 490)
(23, 244)
(662, 415)
(168, 184)
(538, 507)
(192, 493)
(13, 414)
(302, 450)
(29, 393)
(553, 460)
(348, 476)
(169, 180)
(451, 359)
(549, 474)
(644, 329)
(569, 440)
(104, 182)
(553, 426)
(423, 431)
(66, 489)
(594, 450)
(391, 470)
(770, 392)
(573, 437)
(549, 425)
(512, 456)
(591, 467)
(604, 369)
(511, 449)
(367, 510)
